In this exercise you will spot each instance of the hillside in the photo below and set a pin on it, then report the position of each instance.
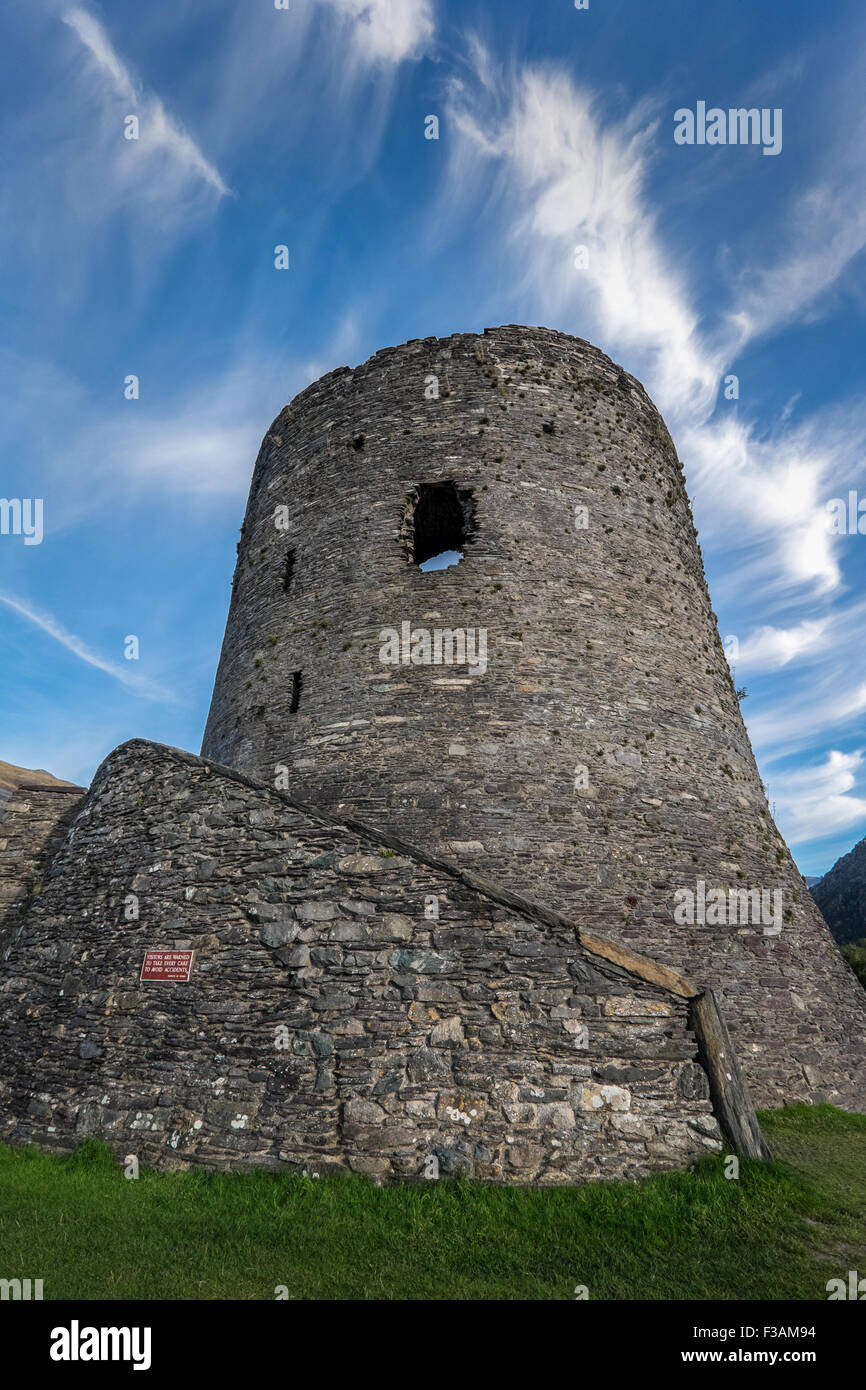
(841, 896)
(11, 778)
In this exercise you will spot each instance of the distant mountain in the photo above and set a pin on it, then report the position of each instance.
(841, 896)
(811, 880)
(12, 777)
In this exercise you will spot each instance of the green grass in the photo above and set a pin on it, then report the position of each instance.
(780, 1231)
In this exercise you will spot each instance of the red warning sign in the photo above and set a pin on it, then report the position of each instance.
(175, 966)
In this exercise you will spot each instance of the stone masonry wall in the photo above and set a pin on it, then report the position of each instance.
(330, 1020)
(33, 821)
(600, 763)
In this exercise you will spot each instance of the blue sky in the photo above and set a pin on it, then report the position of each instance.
(305, 127)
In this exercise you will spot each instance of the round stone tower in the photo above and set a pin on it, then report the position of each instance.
(554, 712)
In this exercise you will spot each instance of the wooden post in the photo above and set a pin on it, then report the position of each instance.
(730, 1095)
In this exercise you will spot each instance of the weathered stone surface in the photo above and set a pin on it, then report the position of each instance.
(601, 1097)
(279, 933)
(448, 1032)
(321, 1052)
(603, 654)
(35, 812)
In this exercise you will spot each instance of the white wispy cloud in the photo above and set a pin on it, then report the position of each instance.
(562, 177)
(181, 450)
(823, 693)
(815, 802)
(162, 138)
(764, 498)
(202, 441)
(52, 628)
(826, 631)
(830, 702)
(388, 31)
(325, 75)
(820, 233)
(830, 238)
(770, 648)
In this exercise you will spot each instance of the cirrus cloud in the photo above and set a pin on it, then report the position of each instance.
(388, 31)
(160, 133)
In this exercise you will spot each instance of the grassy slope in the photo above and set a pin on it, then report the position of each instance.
(781, 1231)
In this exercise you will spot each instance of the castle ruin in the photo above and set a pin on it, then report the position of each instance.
(434, 866)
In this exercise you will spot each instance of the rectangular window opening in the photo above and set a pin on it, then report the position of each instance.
(289, 571)
(297, 687)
